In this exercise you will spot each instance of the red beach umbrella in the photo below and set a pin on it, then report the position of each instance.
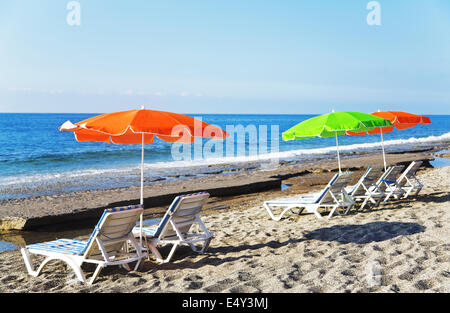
(400, 120)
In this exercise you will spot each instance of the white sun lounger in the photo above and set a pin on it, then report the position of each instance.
(389, 184)
(408, 180)
(106, 246)
(333, 196)
(174, 228)
(367, 188)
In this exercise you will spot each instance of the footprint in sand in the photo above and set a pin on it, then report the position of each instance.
(377, 248)
(315, 289)
(139, 281)
(395, 288)
(424, 284)
(244, 289)
(8, 278)
(219, 286)
(291, 278)
(244, 276)
(406, 276)
(194, 285)
(422, 259)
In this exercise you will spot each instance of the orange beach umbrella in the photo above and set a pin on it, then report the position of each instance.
(400, 120)
(140, 127)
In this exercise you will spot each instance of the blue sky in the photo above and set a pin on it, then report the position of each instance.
(225, 56)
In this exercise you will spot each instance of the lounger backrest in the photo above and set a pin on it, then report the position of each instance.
(327, 187)
(410, 171)
(380, 180)
(112, 230)
(336, 188)
(332, 180)
(358, 187)
(369, 179)
(183, 212)
(391, 176)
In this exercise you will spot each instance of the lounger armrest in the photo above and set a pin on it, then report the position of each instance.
(150, 222)
(349, 189)
(310, 195)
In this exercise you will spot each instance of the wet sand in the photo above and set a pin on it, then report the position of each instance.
(403, 246)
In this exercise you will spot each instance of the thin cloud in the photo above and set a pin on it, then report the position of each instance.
(128, 92)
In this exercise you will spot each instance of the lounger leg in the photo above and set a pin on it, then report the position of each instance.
(371, 200)
(127, 267)
(317, 214)
(193, 247)
(28, 262)
(345, 210)
(407, 193)
(332, 211)
(74, 265)
(300, 210)
(419, 186)
(364, 203)
(387, 197)
(43, 264)
(418, 190)
(96, 272)
(410, 189)
(275, 218)
(155, 252)
(378, 201)
(137, 264)
(172, 251)
(206, 245)
(138, 249)
(158, 256)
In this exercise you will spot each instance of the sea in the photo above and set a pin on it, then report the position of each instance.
(37, 159)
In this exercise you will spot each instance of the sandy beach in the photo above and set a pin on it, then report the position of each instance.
(403, 246)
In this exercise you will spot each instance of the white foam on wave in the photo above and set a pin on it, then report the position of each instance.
(161, 167)
(66, 176)
(284, 155)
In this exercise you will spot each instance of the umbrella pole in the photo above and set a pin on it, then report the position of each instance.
(142, 187)
(339, 158)
(382, 147)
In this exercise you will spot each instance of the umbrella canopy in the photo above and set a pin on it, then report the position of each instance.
(400, 120)
(333, 125)
(130, 127)
(140, 127)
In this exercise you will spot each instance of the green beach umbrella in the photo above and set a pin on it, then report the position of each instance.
(333, 125)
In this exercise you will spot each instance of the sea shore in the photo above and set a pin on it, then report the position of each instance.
(83, 208)
(403, 246)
